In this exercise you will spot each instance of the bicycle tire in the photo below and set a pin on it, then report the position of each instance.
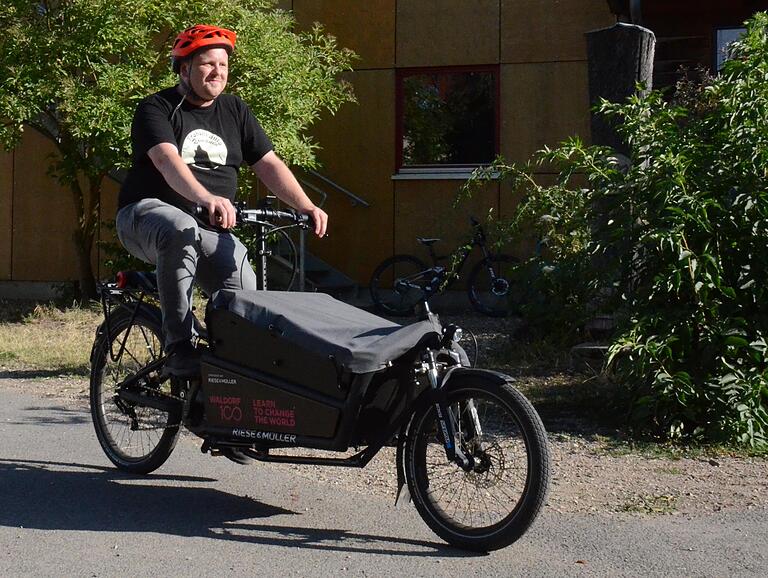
(141, 450)
(386, 297)
(494, 504)
(491, 295)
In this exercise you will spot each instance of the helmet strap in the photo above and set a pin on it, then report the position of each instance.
(186, 86)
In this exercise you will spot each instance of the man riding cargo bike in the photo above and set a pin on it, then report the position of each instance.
(188, 144)
(282, 370)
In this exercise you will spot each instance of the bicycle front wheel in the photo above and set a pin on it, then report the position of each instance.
(135, 438)
(398, 284)
(490, 283)
(493, 503)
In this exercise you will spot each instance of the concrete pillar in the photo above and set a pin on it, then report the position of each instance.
(619, 58)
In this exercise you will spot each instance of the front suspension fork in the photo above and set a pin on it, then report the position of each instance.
(453, 452)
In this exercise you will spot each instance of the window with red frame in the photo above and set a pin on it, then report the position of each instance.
(447, 117)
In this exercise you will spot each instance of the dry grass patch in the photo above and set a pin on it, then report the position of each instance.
(46, 338)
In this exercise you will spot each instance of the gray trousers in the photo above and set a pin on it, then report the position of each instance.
(183, 253)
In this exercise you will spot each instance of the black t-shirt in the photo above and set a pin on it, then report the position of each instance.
(213, 141)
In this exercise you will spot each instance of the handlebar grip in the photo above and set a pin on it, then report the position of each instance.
(202, 212)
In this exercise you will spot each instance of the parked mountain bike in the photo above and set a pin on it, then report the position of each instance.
(401, 282)
(302, 370)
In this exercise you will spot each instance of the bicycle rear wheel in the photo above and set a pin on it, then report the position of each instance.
(493, 504)
(489, 285)
(398, 284)
(135, 438)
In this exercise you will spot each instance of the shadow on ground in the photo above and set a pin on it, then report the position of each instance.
(79, 497)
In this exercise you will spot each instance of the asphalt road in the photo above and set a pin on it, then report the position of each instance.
(64, 511)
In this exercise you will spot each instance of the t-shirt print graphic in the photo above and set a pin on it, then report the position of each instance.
(204, 150)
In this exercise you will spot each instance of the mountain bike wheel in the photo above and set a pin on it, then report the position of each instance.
(493, 504)
(135, 438)
(398, 284)
(489, 285)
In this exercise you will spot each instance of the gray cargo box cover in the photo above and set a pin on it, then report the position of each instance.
(359, 341)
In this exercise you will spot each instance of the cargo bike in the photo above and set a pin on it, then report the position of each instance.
(303, 370)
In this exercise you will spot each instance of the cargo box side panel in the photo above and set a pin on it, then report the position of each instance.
(238, 341)
(233, 400)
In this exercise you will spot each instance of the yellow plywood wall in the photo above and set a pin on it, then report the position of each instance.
(43, 215)
(358, 154)
(367, 27)
(425, 209)
(6, 214)
(550, 30)
(542, 104)
(447, 32)
(108, 208)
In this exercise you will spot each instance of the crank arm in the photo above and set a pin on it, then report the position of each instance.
(137, 399)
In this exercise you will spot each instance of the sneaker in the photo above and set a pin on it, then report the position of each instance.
(183, 360)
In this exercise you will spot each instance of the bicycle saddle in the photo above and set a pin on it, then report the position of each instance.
(427, 242)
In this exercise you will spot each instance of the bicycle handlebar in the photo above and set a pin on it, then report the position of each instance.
(260, 215)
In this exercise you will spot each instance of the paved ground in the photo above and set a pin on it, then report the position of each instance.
(65, 512)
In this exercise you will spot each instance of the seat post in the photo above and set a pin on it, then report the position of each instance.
(429, 244)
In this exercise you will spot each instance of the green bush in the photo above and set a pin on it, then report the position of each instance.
(676, 241)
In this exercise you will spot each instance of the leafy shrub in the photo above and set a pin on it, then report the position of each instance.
(553, 289)
(677, 239)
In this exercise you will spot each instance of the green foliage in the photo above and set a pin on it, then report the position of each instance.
(553, 289)
(676, 237)
(76, 69)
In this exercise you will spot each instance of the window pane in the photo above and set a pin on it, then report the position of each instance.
(726, 37)
(449, 118)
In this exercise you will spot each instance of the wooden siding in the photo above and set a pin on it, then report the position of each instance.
(542, 104)
(6, 215)
(425, 209)
(550, 30)
(367, 27)
(447, 32)
(358, 154)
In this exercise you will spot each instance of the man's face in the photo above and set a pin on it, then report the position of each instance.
(207, 72)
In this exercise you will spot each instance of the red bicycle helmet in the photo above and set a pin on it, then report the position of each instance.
(202, 36)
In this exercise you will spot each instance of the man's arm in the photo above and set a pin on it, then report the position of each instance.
(279, 179)
(165, 157)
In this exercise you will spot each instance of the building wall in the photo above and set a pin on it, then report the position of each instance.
(37, 216)
(541, 52)
(6, 215)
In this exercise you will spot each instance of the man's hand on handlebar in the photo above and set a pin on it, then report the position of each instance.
(221, 213)
(319, 219)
